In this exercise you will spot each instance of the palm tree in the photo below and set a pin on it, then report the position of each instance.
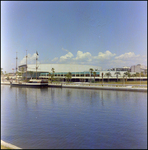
(123, 78)
(69, 75)
(127, 75)
(117, 73)
(90, 70)
(52, 75)
(108, 74)
(49, 74)
(102, 78)
(94, 73)
(53, 70)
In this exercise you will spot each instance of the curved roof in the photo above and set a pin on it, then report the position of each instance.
(62, 67)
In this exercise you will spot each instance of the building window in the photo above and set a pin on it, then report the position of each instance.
(77, 74)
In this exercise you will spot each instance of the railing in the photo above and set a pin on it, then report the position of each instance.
(98, 85)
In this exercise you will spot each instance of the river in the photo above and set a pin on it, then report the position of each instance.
(61, 118)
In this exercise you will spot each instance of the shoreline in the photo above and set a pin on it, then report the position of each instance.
(100, 87)
(5, 145)
(93, 86)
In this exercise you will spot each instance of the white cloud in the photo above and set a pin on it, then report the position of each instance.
(65, 50)
(127, 56)
(106, 55)
(30, 59)
(67, 56)
(55, 59)
(105, 60)
(83, 56)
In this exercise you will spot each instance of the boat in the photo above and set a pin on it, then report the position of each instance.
(32, 82)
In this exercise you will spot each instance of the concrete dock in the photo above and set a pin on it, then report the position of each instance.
(95, 86)
(100, 87)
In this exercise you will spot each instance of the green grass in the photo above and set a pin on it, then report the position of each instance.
(128, 82)
(112, 82)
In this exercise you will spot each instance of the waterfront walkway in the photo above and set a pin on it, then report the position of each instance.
(99, 86)
(96, 86)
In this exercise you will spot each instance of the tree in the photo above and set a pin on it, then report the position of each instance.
(31, 73)
(52, 75)
(90, 70)
(137, 74)
(2, 71)
(117, 73)
(127, 75)
(19, 73)
(108, 74)
(22, 70)
(102, 78)
(49, 75)
(94, 74)
(142, 74)
(69, 75)
(123, 78)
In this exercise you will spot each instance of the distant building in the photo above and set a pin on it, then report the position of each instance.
(61, 70)
(139, 68)
(120, 69)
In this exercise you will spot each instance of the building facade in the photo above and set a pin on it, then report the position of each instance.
(139, 68)
(120, 69)
(80, 73)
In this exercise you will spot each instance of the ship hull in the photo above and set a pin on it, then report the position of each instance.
(29, 84)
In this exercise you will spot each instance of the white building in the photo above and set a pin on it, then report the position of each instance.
(138, 68)
(59, 67)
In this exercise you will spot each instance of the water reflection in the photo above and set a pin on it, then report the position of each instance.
(52, 94)
(68, 94)
(102, 100)
(79, 116)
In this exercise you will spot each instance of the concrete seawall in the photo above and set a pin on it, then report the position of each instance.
(100, 87)
(9, 146)
(95, 86)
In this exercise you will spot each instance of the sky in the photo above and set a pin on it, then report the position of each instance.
(107, 34)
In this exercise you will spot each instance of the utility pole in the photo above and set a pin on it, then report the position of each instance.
(26, 65)
(16, 66)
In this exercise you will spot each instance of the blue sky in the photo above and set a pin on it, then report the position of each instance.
(105, 34)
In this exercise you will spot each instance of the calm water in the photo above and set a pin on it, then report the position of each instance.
(73, 118)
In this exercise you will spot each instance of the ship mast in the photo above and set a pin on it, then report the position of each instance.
(16, 66)
(26, 65)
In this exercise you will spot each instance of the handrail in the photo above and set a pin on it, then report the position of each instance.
(95, 85)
